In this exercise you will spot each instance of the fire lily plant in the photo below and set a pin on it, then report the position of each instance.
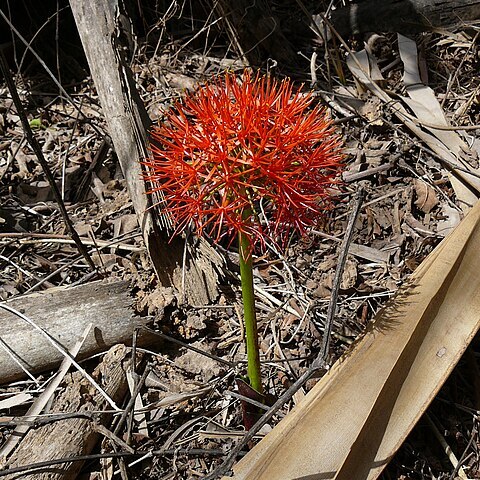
(245, 157)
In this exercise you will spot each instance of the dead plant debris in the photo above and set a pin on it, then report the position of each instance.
(187, 413)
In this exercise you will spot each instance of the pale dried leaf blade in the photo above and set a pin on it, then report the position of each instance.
(15, 400)
(423, 102)
(139, 416)
(357, 416)
(359, 64)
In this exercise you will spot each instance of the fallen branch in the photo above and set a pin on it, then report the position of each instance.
(64, 313)
(75, 436)
(404, 16)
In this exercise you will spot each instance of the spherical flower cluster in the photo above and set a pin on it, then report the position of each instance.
(244, 154)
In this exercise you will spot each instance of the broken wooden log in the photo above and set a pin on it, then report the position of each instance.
(65, 313)
(404, 16)
(75, 436)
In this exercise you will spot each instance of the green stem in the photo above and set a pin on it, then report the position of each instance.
(250, 319)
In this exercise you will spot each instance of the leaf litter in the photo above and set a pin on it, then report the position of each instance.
(414, 199)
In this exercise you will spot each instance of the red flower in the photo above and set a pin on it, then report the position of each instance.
(244, 155)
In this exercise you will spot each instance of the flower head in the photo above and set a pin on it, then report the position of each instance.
(244, 154)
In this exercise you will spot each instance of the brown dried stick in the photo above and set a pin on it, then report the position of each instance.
(337, 280)
(38, 152)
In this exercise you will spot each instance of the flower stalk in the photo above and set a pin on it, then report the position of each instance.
(249, 315)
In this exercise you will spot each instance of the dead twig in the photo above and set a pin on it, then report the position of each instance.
(38, 152)
(353, 177)
(320, 360)
(97, 456)
(189, 347)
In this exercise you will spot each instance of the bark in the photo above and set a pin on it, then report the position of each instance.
(404, 16)
(106, 41)
(65, 313)
(74, 436)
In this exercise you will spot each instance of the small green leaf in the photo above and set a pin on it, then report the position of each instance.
(36, 123)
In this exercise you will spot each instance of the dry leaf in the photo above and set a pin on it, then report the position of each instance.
(349, 278)
(22, 160)
(426, 196)
(372, 110)
(360, 65)
(451, 218)
(369, 253)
